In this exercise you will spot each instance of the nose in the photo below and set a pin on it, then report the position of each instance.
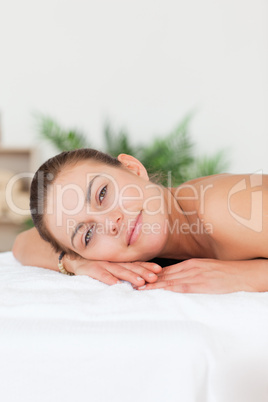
(113, 222)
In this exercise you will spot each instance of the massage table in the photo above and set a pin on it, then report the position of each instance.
(73, 338)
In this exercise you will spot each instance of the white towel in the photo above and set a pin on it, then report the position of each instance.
(73, 338)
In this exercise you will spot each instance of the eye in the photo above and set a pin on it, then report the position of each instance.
(102, 194)
(89, 235)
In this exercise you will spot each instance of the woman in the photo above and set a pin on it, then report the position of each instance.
(108, 217)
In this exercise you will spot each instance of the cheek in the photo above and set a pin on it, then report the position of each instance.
(130, 197)
(71, 200)
(104, 249)
(154, 203)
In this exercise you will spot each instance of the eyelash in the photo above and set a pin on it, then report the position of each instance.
(90, 230)
(105, 191)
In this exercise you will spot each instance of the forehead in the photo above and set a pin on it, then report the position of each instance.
(82, 172)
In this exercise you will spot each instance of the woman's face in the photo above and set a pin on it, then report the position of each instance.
(107, 213)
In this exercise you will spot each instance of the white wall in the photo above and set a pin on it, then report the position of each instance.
(143, 64)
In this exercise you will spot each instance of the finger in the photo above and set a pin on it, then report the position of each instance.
(151, 266)
(189, 288)
(191, 273)
(185, 265)
(139, 269)
(98, 273)
(178, 287)
(198, 288)
(127, 272)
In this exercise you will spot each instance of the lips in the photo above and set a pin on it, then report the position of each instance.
(134, 231)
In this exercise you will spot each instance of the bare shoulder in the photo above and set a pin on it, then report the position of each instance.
(235, 207)
(235, 193)
(249, 181)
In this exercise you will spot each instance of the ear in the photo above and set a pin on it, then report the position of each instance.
(134, 165)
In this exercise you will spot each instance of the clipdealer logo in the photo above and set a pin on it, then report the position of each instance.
(255, 221)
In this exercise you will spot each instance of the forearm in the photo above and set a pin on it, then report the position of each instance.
(30, 249)
(255, 274)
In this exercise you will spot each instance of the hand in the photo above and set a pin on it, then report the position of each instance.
(110, 273)
(211, 276)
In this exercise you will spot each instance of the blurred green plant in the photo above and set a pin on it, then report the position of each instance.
(64, 140)
(208, 165)
(173, 152)
(27, 224)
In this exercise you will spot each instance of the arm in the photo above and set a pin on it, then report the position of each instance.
(30, 249)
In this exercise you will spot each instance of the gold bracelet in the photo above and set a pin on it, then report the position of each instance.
(60, 265)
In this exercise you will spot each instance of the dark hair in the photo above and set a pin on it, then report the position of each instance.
(47, 174)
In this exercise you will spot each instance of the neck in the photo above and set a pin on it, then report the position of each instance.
(182, 241)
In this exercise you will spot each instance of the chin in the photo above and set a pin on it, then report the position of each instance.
(151, 249)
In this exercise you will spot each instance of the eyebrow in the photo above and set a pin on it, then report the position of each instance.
(88, 201)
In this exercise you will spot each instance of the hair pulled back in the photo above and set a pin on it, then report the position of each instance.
(47, 174)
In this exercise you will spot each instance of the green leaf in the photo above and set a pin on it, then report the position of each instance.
(117, 143)
(171, 153)
(208, 165)
(63, 140)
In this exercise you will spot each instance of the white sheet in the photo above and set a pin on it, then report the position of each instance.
(73, 338)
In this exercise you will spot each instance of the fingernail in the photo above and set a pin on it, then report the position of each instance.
(142, 287)
(152, 275)
(139, 278)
